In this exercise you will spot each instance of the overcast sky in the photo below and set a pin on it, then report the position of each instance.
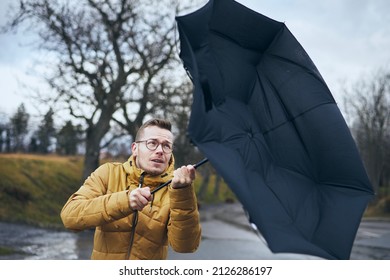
(346, 39)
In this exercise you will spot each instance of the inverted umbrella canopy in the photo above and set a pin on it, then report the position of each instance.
(268, 123)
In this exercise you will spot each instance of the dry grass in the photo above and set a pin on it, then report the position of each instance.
(33, 188)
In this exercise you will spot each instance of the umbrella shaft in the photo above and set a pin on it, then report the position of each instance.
(196, 165)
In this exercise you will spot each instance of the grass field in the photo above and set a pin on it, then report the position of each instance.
(34, 188)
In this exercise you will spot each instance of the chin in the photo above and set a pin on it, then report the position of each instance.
(155, 171)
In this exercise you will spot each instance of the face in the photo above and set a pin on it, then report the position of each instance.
(153, 162)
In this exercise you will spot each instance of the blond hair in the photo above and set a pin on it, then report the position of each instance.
(161, 123)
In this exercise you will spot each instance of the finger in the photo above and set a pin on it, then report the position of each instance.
(188, 173)
(138, 207)
(139, 198)
(145, 192)
(134, 205)
(132, 200)
(192, 172)
(180, 175)
(183, 176)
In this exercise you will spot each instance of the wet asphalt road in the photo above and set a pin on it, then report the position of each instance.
(226, 234)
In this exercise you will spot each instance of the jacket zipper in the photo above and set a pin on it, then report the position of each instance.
(135, 220)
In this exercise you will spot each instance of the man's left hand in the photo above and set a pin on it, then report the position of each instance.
(183, 177)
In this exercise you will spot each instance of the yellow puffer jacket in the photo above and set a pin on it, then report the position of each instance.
(102, 202)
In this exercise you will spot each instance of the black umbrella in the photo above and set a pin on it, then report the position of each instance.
(268, 123)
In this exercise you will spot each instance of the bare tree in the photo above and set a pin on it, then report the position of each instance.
(369, 104)
(3, 130)
(45, 133)
(19, 128)
(107, 59)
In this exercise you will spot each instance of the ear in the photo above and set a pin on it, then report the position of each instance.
(134, 148)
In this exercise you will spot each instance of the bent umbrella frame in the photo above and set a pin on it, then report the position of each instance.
(266, 120)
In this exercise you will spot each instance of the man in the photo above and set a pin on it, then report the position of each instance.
(130, 222)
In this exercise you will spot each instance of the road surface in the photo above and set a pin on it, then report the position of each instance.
(226, 234)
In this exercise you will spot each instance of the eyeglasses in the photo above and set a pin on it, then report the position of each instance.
(152, 144)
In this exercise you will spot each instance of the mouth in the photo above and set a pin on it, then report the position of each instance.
(157, 160)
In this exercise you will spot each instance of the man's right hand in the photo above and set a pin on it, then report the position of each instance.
(139, 198)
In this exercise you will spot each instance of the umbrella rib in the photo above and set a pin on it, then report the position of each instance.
(292, 118)
(317, 76)
(348, 187)
(289, 116)
(265, 99)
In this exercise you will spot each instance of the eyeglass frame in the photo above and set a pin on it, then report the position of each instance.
(159, 144)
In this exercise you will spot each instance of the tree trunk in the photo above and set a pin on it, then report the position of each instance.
(95, 134)
(91, 157)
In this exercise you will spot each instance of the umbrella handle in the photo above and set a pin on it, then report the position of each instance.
(196, 165)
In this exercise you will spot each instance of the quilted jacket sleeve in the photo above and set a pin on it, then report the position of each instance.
(184, 231)
(92, 206)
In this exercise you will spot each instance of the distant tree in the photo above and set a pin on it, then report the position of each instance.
(110, 57)
(2, 137)
(368, 104)
(45, 133)
(3, 130)
(8, 140)
(68, 138)
(33, 146)
(18, 129)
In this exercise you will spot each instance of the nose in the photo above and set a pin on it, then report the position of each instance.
(159, 148)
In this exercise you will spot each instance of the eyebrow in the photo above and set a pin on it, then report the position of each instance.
(164, 142)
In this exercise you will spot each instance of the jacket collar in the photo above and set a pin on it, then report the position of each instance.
(134, 173)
